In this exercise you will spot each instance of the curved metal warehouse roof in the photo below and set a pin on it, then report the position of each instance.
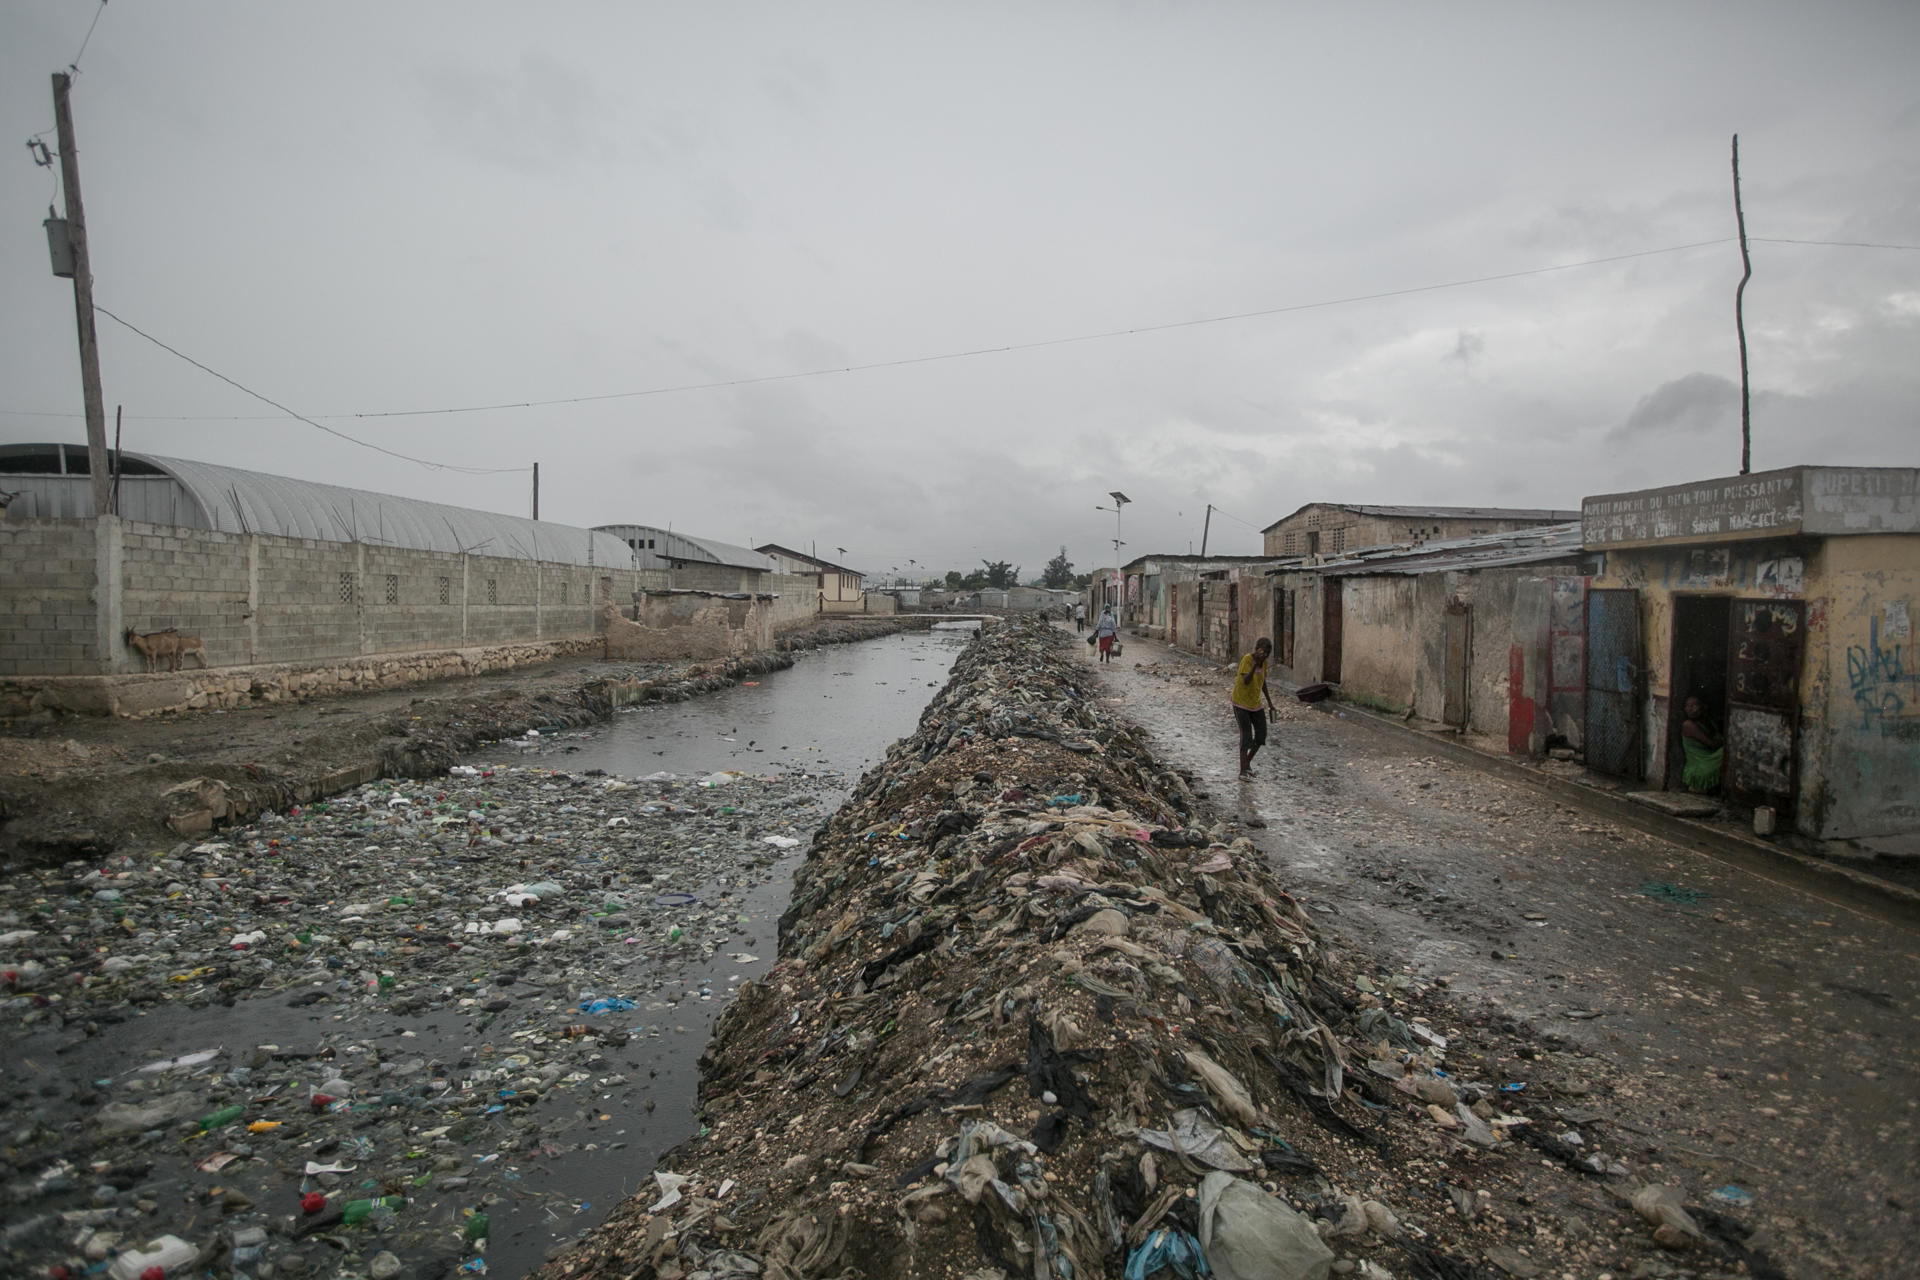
(204, 495)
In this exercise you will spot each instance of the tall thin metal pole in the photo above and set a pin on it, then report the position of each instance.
(536, 491)
(1204, 530)
(118, 466)
(1740, 319)
(83, 297)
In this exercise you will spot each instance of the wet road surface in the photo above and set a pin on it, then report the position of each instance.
(1735, 1026)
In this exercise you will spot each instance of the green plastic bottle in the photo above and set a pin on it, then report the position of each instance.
(477, 1227)
(225, 1115)
(358, 1211)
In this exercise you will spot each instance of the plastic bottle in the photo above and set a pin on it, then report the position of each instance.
(477, 1227)
(225, 1115)
(358, 1211)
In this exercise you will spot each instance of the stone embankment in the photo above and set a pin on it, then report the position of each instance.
(1032, 1017)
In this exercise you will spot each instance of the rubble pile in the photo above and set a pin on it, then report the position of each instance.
(1028, 1019)
(386, 1013)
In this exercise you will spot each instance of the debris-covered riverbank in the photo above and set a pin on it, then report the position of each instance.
(88, 786)
(428, 991)
(1030, 1018)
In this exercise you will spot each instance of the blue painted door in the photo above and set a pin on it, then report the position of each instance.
(1613, 681)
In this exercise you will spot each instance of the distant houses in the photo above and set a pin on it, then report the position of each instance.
(1782, 602)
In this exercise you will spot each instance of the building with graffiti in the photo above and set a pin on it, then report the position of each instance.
(1783, 602)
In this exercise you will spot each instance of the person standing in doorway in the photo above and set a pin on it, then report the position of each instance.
(1079, 616)
(1104, 631)
(1249, 688)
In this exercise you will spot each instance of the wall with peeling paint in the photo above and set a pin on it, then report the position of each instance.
(1857, 741)
(1868, 760)
(1379, 650)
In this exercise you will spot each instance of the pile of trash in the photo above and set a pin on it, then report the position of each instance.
(349, 1037)
(1028, 1020)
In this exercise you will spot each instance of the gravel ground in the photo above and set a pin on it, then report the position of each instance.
(1728, 1025)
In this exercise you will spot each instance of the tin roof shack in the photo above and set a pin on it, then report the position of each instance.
(838, 588)
(1145, 604)
(700, 564)
(1462, 633)
(1338, 528)
(1034, 599)
(1784, 600)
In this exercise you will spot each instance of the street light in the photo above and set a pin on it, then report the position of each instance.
(1119, 500)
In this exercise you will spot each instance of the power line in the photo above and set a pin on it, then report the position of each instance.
(366, 444)
(1042, 342)
(966, 354)
(74, 66)
(1229, 515)
(1835, 244)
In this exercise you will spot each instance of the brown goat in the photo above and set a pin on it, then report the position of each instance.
(168, 644)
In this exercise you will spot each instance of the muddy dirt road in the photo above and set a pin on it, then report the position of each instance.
(1730, 1028)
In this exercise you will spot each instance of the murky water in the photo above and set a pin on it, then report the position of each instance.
(829, 717)
(835, 711)
(837, 708)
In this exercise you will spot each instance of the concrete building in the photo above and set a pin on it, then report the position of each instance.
(1145, 604)
(838, 588)
(1337, 528)
(700, 563)
(1471, 634)
(1785, 601)
(216, 587)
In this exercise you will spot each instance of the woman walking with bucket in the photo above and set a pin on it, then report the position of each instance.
(1104, 632)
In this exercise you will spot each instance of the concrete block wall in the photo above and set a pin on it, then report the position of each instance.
(307, 597)
(69, 588)
(48, 622)
(799, 599)
(399, 594)
(194, 580)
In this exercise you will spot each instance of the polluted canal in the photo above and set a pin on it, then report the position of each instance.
(424, 1028)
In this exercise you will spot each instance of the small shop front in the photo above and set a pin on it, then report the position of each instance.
(1772, 611)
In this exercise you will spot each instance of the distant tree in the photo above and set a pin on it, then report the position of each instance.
(1001, 574)
(1082, 580)
(1059, 571)
(974, 581)
(954, 581)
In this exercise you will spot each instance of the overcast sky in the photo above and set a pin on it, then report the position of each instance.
(358, 208)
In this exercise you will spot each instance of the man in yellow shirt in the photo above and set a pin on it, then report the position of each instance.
(1249, 687)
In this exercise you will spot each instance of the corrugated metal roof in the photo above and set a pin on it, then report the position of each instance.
(232, 500)
(685, 547)
(774, 548)
(1437, 513)
(1537, 545)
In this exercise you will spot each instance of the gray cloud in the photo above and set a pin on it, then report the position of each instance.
(1696, 403)
(493, 202)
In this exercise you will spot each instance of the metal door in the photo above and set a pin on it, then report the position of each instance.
(1459, 633)
(1765, 639)
(1233, 619)
(1283, 624)
(1331, 625)
(1613, 681)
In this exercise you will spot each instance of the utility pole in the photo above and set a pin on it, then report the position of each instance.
(1740, 318)
(83, 298)
(1204, 530)
(536, 491)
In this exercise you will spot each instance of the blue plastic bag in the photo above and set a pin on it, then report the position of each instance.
(1168, 1248)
